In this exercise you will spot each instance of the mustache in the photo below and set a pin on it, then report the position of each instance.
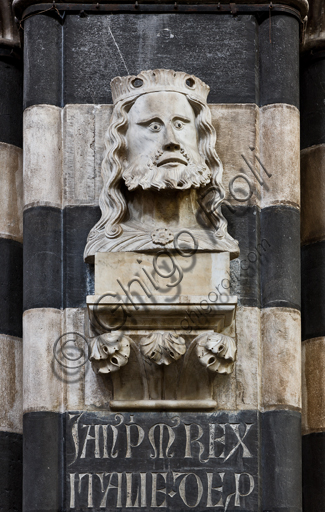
(148, 174)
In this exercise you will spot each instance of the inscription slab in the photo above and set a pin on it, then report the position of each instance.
(169, 461)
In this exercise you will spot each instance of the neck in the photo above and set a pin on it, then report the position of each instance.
(173, 209)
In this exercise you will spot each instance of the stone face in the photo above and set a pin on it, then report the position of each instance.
(313, 372)
(313, 187)
(279, 153)
(11, 192)
(11, 384)
(281, 358)
(42, 156)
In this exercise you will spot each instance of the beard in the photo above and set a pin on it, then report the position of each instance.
(148, 175)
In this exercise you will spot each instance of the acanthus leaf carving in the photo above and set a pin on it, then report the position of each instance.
(109, 352)
(217, 352)
(162, 347)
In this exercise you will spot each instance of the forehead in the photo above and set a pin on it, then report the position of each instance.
(163, 104)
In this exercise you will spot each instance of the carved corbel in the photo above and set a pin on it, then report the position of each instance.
(216, 352)
(109, 352)
(162, 347)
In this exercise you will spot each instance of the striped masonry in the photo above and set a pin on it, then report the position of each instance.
(257, 124)
(11, 284)
(313, 281)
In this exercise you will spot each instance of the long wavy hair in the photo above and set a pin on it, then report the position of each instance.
(112, 202)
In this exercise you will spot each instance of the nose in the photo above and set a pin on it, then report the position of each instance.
(171, 143)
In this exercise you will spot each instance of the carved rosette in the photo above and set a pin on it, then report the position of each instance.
(216, 352)
(162, 347)
(109, 352)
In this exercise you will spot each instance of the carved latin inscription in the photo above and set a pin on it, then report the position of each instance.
(169, 461)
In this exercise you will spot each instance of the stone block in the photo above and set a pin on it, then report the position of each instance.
(42, 156)
(312, 194)
(279, 154)
(11, 192)
(11, 384)
(43, 385)
(281, 358)
(313, 388)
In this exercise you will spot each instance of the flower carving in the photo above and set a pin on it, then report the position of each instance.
(162, 236)
(109, 352)
(216, 352)
(162, 347)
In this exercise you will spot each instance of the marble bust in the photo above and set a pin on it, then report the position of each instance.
(160, 161)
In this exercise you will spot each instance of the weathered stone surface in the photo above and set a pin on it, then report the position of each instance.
(196, 44)
(42, 61)
(313, 194)
(43, 387)
(11, 192)
(196, 275)
(177, 471)
(280, 271)
(42, 156)
(279, 59)
(84, 128)
(11, 287)
(313, 471)
(313, 385)
(11, 87)
(281, 358)
(248, 368)
(312, 77)
(56, 360)
(11, 478)
(281, 461)
(312, 290)
(279, 154)
(11, 384)
(237, 128)
(43, 461)
(42, 257)
(244, 226)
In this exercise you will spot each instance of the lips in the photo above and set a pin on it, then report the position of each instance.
(172, 160)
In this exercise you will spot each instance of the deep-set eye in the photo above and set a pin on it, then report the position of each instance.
(179, 124)
(155, 126)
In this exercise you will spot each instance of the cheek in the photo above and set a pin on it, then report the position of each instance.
(188, 137)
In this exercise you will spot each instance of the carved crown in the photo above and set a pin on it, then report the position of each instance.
(124, 87)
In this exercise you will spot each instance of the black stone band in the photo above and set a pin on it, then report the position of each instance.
(43, 458)
(224, 51)
(312, 290)
(11, 104)
(313, 481)
(11, 468)
(11, 287)
(56, 275)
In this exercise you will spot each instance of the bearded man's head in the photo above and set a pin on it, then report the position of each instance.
(162, 144)
(160, 136)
